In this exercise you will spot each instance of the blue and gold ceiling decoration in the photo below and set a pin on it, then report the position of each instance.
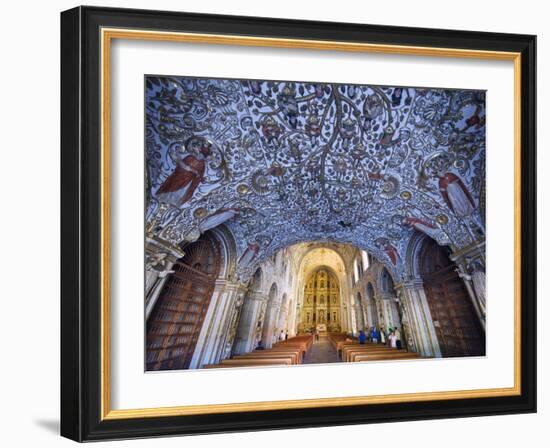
(284, 162)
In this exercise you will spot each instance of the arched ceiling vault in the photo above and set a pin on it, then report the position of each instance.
(281, 163)
(318, 257)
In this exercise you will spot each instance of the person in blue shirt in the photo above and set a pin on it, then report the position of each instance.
(362, 337)
(374, 335)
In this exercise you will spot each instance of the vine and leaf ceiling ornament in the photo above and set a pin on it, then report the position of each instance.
(285, 162)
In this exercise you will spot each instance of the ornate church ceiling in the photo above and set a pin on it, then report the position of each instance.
(285, 162)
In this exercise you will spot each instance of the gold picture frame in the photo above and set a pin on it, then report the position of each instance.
(109, 26)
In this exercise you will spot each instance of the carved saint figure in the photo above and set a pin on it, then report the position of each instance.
(217, 218)
(477, 277)
(422, 226)
(385, 245)
(157, 262)
(178, 188)
(455, 194)
(249, 254)
(478, 280)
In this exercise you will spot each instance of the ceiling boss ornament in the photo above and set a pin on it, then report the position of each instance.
(315, 162)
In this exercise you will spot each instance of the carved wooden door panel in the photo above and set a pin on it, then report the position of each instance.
(458, 330)
(176, 321)
(457, 326)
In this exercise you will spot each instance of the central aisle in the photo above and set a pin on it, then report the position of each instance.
(321, 352)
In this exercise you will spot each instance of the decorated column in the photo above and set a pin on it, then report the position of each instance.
(270, 325)
(360, 318)
(470, 263)
(215, 339)
(293, 318)
(160, 257)
(252, 313)
(388, 314)
(420, 331)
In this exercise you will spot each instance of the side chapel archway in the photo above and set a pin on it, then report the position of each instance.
(246, 331)
(176, 320)
(270, 318)
(361, 323)
(387, 290)
(458, 330)
(372, 312)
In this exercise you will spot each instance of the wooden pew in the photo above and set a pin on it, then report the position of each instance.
(298, 346)
(341, 346)
(351, 355)
(294, 356)
(338, 338)
(246, 363)
(297, 350)
(304, 342)
(287, 352)
(348, 350)
(389, 356)
(257, 361)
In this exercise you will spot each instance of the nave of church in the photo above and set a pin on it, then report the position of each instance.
(315, 302)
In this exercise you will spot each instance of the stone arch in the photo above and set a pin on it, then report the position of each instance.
(228, 250)
(385, 282)
(256, 282)
(370, 291)
(412, 257)
(371, 310)
(271, 314)
(184, 298)
(283, 314)
(458, 329)
(360, 312)
(388, 307)
(245, 338)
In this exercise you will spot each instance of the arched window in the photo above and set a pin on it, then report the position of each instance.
(386, 282)
(365, 259)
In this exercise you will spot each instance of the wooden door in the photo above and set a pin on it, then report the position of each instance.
(176, 321)
(457, 326)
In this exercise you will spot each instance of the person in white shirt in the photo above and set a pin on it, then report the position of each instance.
(397, 337)
(392, 340)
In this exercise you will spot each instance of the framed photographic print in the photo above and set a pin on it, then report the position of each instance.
(276, 224)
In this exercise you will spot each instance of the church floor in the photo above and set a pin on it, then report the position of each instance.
(321, 352)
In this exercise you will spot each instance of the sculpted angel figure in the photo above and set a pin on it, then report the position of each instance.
(178, 187)
(456, 194)
(218, 217)
(385, 245)
(249, 254)
(475, 274)
(157, 262)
